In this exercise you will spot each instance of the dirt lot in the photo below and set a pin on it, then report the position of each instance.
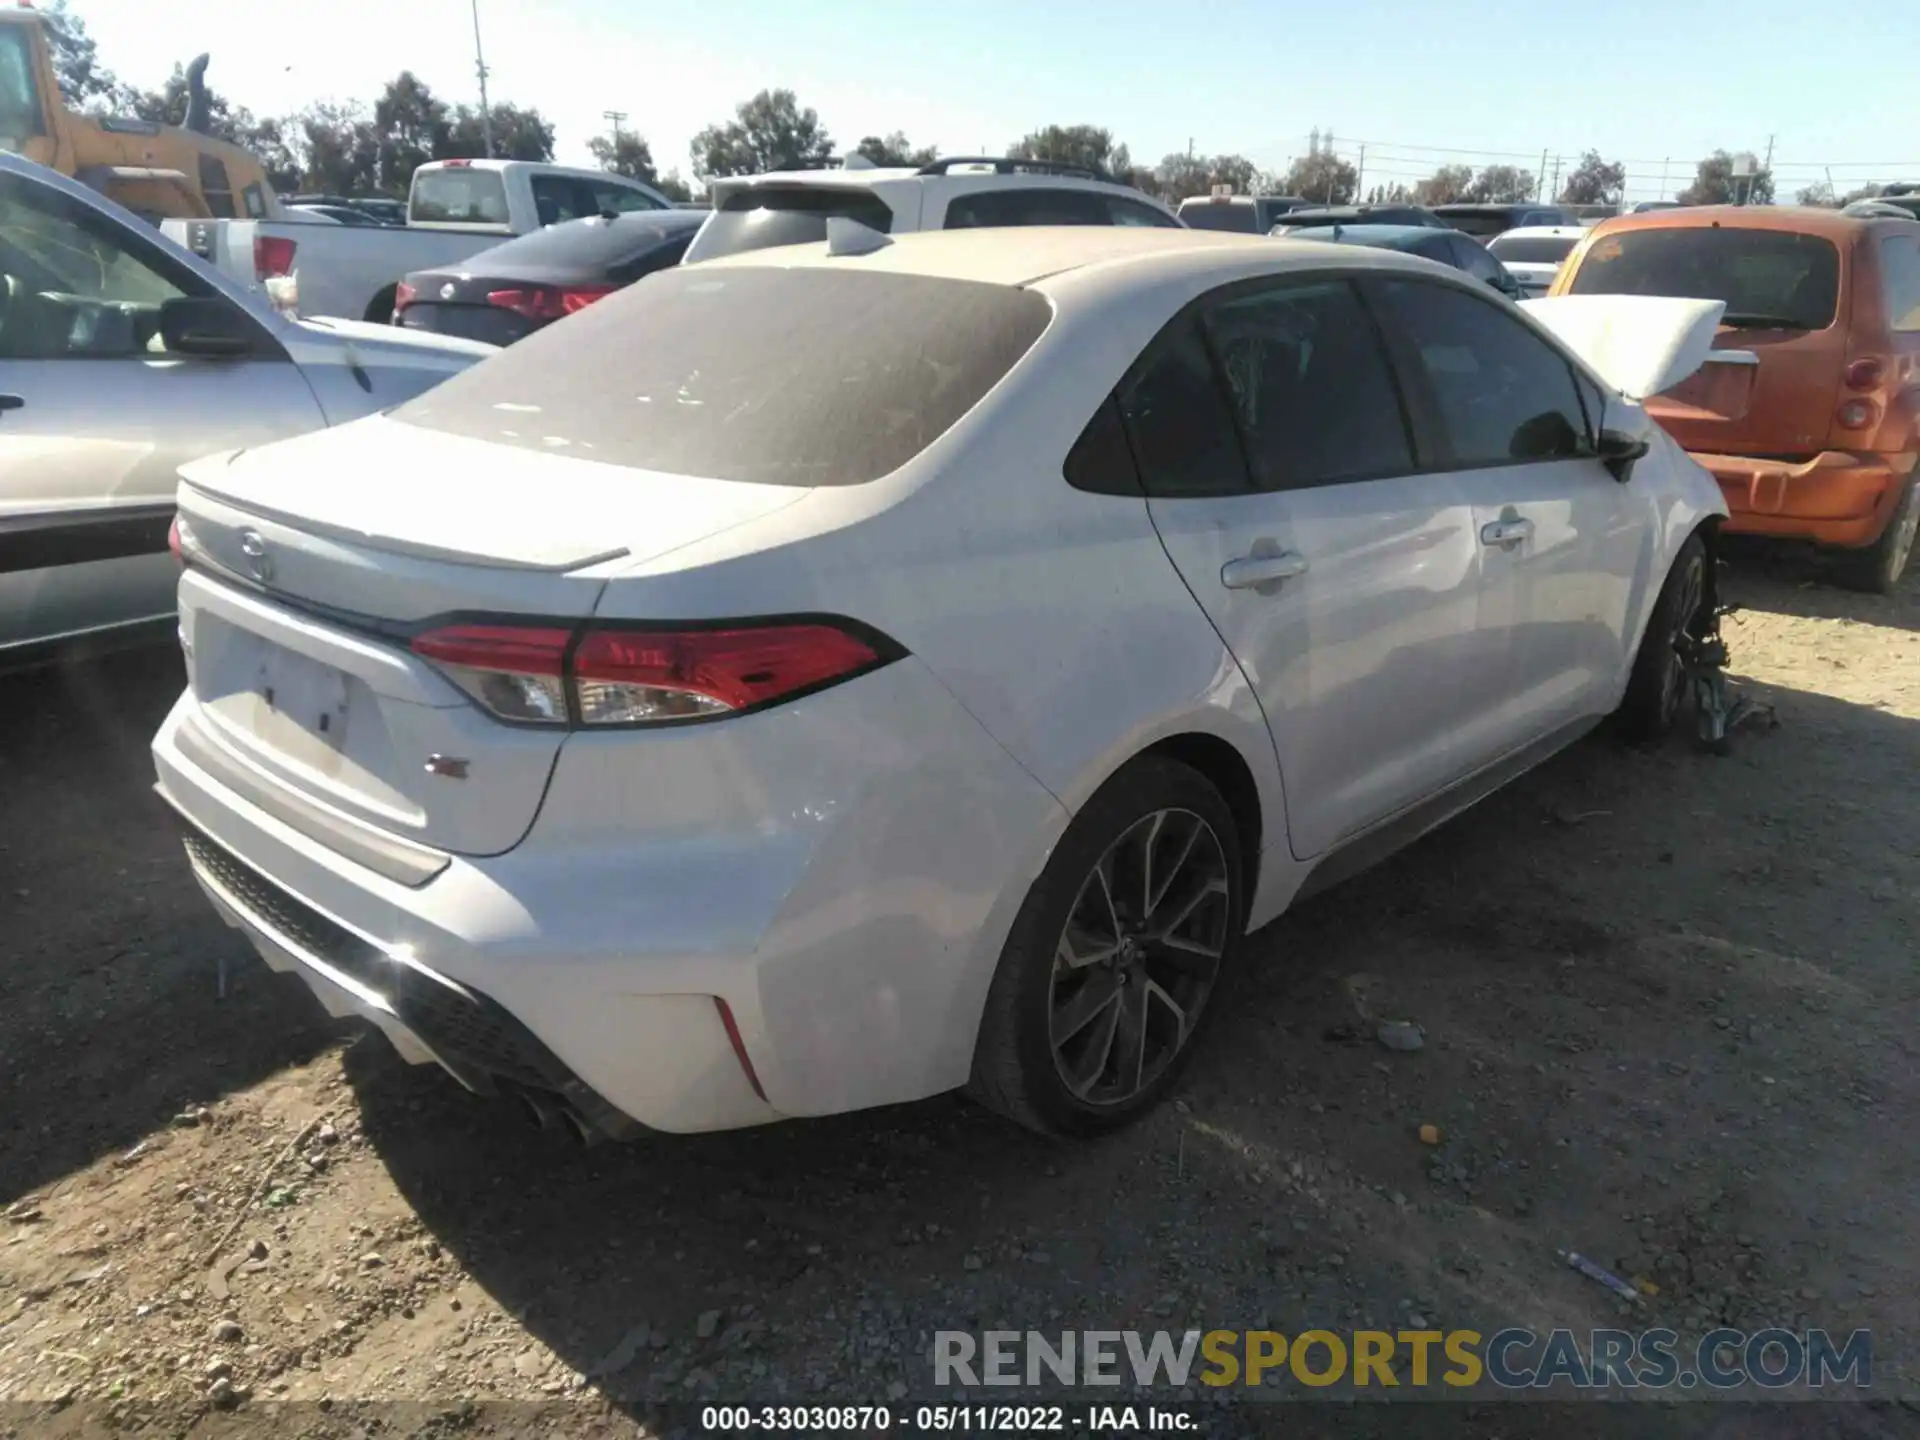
(1669, 1002)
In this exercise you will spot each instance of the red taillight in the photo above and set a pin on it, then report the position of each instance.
(272, 256)
(456, 164)
(1866, 374)
(1854, 415)
(542, 675)
(173, 541)
(403, 296)
(516, 672)
(739, 1045)
(549, 302)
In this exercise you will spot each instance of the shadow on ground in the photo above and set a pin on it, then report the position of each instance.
(109, 1021)
(1663, 994)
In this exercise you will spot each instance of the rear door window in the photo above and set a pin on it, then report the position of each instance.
(1900, 280)
(767, 374)
(1313, 393)
(763, 216)
(1122, 211)
(1772, 279)
(1531, 249)
(1502, 394)
(1027, 206)
(460, 196)
(20, 114)
(614, 199)
(1177, 418)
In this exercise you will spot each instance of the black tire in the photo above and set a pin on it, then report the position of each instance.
(1020, 1064)
(1877, 568)
(1657, 685)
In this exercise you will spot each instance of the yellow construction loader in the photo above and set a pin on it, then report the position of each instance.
(160, 172)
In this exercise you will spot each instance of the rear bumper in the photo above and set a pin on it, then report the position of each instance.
(850, 923)
(1838, 497)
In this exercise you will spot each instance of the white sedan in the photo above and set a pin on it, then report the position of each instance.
(1533, 254)
(835, 675)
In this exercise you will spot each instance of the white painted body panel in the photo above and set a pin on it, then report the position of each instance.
(843, 870)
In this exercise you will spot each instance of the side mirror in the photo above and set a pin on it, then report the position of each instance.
(1619, 450)
(205, 326)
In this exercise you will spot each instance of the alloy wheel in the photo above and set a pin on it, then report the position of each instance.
(1139, 956)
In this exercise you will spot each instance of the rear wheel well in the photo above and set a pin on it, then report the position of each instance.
(1227, 772)
(380, 309)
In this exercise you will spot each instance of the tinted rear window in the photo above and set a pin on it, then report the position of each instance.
(1765, 276)
(458, 197)
(1537, 250)
(1208, 216)
(580, 244)
(1481, 223)
(776, 376)
(769, 215)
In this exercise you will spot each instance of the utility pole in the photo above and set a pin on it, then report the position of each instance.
(613, 118)
(1663, 178)
(1766, 166)
(1359, 174)
(1189, 147)
(480, 67)
(1556, 178)
(1541, 182)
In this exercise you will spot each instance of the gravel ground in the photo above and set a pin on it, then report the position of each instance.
(1668, 1007)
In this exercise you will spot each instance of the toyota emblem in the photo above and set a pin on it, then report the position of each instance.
(259, 562)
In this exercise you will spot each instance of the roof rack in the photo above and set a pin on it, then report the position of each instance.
(1015, 165)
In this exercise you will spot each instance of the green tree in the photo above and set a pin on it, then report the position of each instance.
(624, 154)
(1323, 178)
(895, 149)
(1088, 145)
(340, 147)
(517, 134)
(1181, 176)
(1821, 195)
(84, 82)
(1714, 183)
(1595, 181)
(1446, 185)
(673, 187)
(412, 127)
(769, 132)
(1394, 194)
(1502, 185)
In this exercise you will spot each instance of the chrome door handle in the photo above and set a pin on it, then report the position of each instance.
(1506, 533)
(1252, 571)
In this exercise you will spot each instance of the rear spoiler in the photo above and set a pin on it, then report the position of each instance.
(1641, 345)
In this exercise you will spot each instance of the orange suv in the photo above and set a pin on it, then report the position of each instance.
(1813, 430)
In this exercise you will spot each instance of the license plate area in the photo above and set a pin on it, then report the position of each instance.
(292, 703)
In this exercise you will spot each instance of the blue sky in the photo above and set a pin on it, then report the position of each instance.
(1416, 81)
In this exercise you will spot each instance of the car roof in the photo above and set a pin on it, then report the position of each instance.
(840, 179)
(1377, 234)
(1797, 219)
(1027, 254)
(1542, 232)
(1494, 207)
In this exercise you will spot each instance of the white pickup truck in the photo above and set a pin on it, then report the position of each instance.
(455, 208)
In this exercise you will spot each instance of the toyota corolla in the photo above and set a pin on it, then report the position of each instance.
(841, 674)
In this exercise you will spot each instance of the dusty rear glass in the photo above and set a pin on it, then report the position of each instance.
(1531, 249)
(768, 215)
(583, 245)
(777, 376)
(460, 196)
(1768, 278)
(1210, 216)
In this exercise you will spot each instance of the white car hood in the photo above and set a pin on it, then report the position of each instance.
(1640, 344)
(405, 489)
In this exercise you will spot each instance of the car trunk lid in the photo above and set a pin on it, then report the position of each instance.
(314, 562)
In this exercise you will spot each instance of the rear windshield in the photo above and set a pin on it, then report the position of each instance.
(1208, 216)
(458, 197)
(769, 215)
(1768, 278)
(591, 244)
(776, 376)
(1478, 222)
(1538, 250)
